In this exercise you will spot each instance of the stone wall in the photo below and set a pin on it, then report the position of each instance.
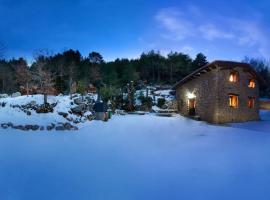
(240, 88)
(204, 88)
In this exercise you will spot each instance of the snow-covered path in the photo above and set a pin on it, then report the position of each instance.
(137, 157)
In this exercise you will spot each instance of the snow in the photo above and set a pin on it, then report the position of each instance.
(138, 157)
(154, 94)
(18, 117)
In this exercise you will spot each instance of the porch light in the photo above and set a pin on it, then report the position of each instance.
(191, 95)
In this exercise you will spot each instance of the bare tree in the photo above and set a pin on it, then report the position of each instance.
(24, 77)
(71, 76)
(43, 76)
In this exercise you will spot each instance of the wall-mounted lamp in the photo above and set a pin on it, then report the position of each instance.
(191, 95)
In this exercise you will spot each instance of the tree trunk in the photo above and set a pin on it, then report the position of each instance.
(45, 96)
(171, 74)
(70, 87)
(3, 85)
(158, 70)
(27, 89)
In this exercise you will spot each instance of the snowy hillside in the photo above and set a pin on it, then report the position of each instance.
(17, 116)
(12, 110)
(21, 110)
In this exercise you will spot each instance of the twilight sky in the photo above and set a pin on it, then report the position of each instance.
(123, 28)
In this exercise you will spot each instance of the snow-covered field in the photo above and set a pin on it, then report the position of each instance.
(138, 157)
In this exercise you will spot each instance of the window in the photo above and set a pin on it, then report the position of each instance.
(233, 101)
(234, 76)
(251, 83)
(251, 102)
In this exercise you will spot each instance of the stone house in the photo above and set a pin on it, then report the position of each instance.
(220, 92)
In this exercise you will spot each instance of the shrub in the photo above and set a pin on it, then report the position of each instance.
(161, 102)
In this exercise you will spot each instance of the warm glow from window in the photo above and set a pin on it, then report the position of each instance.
(251, 83)
(251, 102)
(233, 101)
(233, 77)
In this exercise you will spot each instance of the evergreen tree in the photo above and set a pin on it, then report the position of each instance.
(199, 62)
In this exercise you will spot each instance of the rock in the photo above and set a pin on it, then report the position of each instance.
(41, 128)
(35, 127)
(54, 104)
(3, 104)
(51, 127)
(83, 119)
(76, 121)
(33, 103)
(60, 128)
(78, 100)
(20, 127)
(28, 127)
(63, 114)
(68, 126)
(90, 117)
(10, 124)
(165, 106)
(4, 126)
(31, 127)
(89, 100)
(44, 108)
(79, 110)
(3, 96)
(69, 119)
(16, 94)
(28, 113)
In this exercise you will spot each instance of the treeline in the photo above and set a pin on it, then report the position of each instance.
(63, 69)
(262, 68)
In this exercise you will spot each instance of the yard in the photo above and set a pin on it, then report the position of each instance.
(138, 157)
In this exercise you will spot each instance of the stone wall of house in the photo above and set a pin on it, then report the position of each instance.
(240, 88)
(204, 88)
(212, 91)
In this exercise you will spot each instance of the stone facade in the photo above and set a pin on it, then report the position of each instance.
(210, 88)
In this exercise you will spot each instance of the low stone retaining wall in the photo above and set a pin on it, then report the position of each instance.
(265, 105)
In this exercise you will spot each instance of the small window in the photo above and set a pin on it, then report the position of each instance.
(234, 76)
(233, 101)
(251, 83)
(251, 102)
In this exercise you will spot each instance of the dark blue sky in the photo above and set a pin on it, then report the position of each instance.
(122, 28)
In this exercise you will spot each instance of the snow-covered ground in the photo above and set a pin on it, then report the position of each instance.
(138, 157)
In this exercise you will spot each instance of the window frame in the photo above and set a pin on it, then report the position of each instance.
(251, 105)
(234, 76)
(251, 80)
(230, 100)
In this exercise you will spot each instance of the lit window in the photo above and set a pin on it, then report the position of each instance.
(233, 77)
(251, 83)
(233, 101)
(251, 102)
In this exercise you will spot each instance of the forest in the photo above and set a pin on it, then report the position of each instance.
(63, 70)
